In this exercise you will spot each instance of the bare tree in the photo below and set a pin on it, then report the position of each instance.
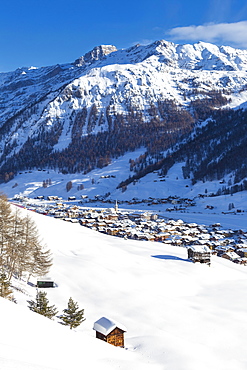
(21, 250)
(14, 244)
(32, 257)
(5, 228)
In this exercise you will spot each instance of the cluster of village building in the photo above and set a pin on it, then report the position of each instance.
(229, 244)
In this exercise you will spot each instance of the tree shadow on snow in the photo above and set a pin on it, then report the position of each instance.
(168, 257)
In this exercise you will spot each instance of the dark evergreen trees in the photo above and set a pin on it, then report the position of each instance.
(72, 316)
(69, 186)
(41, 305)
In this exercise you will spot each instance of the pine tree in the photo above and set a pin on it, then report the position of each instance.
(5, 290)
(41, 305)
(72, 316)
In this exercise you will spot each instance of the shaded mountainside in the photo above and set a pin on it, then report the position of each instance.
(211, 152)
(78, 116)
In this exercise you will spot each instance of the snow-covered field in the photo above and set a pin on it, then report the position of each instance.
(30, 184)
(178, 315)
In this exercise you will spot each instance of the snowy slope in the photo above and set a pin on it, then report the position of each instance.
(30, 184)
(32, 342)
(178, 315)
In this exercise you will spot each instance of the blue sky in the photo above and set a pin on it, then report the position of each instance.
(46, 32)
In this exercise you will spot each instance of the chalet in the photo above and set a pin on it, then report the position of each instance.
(161, 236)
(110, 331)
(112, 216)
(199, 253)
(134, 216)
(45, 282)
(224, 249)
(111, 231)
(72, 198)
(230, 256)
(176, 240)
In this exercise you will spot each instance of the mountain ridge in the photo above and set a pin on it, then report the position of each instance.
(109, 94)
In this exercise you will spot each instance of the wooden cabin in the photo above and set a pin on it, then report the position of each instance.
(110, 331)
(199, 253)
(230, 256)
(45, 282)
(72, 198)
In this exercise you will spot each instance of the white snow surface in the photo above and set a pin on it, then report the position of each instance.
(178, 315)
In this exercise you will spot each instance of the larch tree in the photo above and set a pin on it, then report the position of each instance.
(33, 259)
(14, 244)
(41, 261)
(5, 229)
(21, 251)
(72, 315)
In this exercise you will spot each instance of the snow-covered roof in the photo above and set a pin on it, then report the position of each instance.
(45, 278)
(199, 248)
(232, 255)
(243, 250)
(106, 326)
(111, 211)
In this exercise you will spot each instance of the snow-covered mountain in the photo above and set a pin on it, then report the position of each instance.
(78, 116)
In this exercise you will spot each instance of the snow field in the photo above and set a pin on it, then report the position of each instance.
(178, 315)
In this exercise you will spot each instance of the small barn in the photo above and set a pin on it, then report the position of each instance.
(72, 198)
(45, 282)
(199, 253)
(110, 331)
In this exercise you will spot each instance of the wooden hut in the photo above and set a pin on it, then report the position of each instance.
(45, 282)
(199, 253)
(110, 331)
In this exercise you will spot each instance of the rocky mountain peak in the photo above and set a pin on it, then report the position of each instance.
(96, 54)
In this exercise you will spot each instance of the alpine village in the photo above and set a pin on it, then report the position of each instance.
(123, 179)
